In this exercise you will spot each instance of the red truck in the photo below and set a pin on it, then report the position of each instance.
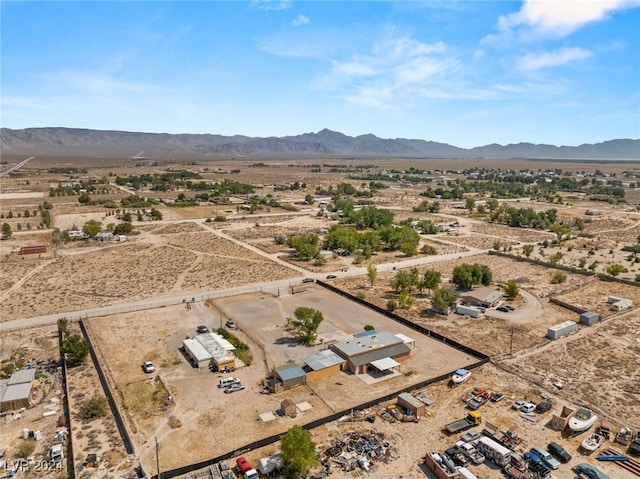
(245, 469)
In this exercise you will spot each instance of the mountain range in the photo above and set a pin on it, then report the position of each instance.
(323, 144)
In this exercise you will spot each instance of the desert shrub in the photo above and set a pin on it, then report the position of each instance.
(392, 305)
(26, 448)
(360, 295)
(369, 327)
(558, 277)
(92, 408)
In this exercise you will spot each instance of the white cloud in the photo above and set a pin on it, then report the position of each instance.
(300, 20)
(560, 18)
(269, 5)
(535, 61)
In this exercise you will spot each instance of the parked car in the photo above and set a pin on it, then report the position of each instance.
(527, 408)
(543, 407)
(233, 388)
(509, 307)
(559, 451)
(231, 324)
(502, 308)
(548, 459)
(308, 280)
(590, 471)
(148, 367)
(518, 404)
(202, 329)
(226, 382)
(497, 397)
(331, 276)
(634, 448)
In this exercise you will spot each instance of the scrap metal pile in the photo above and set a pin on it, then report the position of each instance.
(358, 451)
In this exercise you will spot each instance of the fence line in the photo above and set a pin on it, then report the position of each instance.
(483, 358)
(71, 467)
(602, 276)
(124, 434)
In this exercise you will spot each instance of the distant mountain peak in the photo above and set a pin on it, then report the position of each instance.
(324, 143)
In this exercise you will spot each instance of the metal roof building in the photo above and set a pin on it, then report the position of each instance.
(22, 376)
(16, 391)
(561, 330)
(288, 376)
(361, 352)
(210, 349)
(323, 364)
(487, 297)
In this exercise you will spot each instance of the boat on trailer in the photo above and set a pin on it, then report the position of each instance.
(460, 376)
(582, 420)
(593, 442)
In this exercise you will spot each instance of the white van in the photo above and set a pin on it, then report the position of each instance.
(224, 382)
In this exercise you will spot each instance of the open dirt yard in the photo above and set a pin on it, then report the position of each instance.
(196, 402)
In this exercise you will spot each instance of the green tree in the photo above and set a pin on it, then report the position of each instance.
(405, 300)
(372, 274)
(431, 280)
(528, 249)
(512, 289)
(492, 204)
(92, 227)
(615, 269)
(561, 229)
(592, 267)
(298, 451)
(123, 228)
(402, 281)
(6, 230)
(76, 349)
(308, 199)
(84, 199)
(409, 248)
(306, 323)
(307, 246)
(63, 325)
(444, 298)
(470, 203)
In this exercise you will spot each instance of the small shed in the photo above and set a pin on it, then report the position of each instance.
(288, 408)
(561, 330)
(15, 396)
(414, 406)
(290, 375)
(589, 318)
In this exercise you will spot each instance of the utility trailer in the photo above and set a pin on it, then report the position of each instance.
(472, 419)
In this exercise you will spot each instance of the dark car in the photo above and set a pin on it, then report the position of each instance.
(497, 397)
(331, 276)
(502, 308)
(543, 407)
(634, 448)
(308, 280)
(590, 471)
(559, 451)
(202, 329)
(509, 307)
(231, 324)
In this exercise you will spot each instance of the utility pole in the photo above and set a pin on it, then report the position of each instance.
(157, 456)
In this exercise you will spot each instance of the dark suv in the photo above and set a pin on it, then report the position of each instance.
(559, 451)
(202, 329)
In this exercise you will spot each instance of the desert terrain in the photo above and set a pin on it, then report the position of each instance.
(210, 253)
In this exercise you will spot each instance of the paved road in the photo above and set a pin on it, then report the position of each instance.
(16, 167)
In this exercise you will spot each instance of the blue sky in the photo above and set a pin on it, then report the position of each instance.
(466, 73)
